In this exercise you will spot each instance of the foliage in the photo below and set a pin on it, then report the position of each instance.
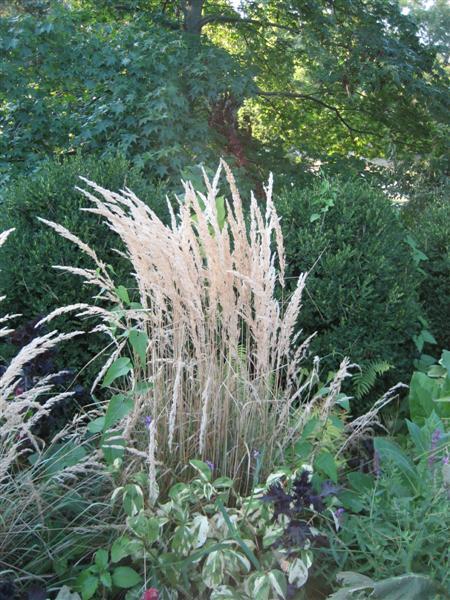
(34, 290)
(429, 223)
(413, 587)
(205, 541)
(267, 79)
(138, 89)
(430, 391)
(397, 521)
(361, 291)
(49, 497)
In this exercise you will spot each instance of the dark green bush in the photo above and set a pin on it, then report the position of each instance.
(430, 228)
(30, 285)
(361, 294)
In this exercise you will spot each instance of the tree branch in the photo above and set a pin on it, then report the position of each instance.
(337, 112)
(208, 19)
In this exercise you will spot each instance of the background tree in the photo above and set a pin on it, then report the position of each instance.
(169, 83)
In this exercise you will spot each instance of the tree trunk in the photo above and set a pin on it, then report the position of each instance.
(192, 11)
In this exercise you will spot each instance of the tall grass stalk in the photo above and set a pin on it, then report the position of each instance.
(51, 497)
(222, 355)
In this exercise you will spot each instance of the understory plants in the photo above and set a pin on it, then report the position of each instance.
(429, 227)
(396, 519)
(207, 541)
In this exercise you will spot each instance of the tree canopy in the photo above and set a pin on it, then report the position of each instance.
(172, 83)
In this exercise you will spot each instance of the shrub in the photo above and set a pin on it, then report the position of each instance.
(430, 228)
(31, 286)
(208, 332)
(361, 291)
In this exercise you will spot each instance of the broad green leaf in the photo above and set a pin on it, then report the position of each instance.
(86, 584)
(101, 559)
(106, 579)
(65, 594)
(96, 425)
(390, 451)
(412, 587)
(112, 446)
(120, 367)
(200, 529)
(297, 573)
(326, 463)
(278, 583)
(122, 294)
(445, 361)
(125, 577)
(139, 342)
(118, 407)
(213, 570)
(202, 469)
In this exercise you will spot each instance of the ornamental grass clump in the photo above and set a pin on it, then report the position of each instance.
(21, 409)
(221, 352)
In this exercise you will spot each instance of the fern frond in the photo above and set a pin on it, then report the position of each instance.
(366, 378)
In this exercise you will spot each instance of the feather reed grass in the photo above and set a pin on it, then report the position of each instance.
(222, 355)
(52, 499)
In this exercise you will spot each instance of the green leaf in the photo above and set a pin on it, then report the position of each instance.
(361, 482)
(122, 294)
(139, 342)
(118, 407)
(202, 469)
(326, 463)
(96, 425)
(297, 573)
(120, 549)
(412, 587)
(101, 559)
(86, 584)
(106, 579)
(125, 577)
(120, 367)
(278, 583)
(390, 451)
(445, 361)
(65, 594)
(133, 501)
(213, 571)
(113, 446)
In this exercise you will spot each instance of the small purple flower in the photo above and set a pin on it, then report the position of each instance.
(339, 513)
(435, 438)
(446, 460)
(210, 464)
(148, 421)
(256, 454)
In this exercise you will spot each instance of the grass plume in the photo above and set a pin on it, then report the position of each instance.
(222, 354)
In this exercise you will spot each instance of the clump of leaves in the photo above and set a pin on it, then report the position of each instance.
(207, 541)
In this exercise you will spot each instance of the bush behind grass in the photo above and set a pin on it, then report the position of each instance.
(430, 228)
(362, 288)
(32, 288)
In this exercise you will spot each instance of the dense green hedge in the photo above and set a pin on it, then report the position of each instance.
(30, 285)
(430, 228)
(362, 291)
